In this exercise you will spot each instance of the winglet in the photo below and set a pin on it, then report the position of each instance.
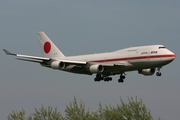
(7, 52)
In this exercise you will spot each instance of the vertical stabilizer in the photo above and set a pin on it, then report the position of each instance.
(48, 48)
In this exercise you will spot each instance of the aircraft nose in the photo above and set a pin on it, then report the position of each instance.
(172, 56)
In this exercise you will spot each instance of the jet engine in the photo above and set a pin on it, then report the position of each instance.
(96, 68)
(147, 72)
(58, 65)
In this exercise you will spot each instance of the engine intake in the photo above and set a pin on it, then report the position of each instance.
(58, 65)
(147, 72)
(96, 68)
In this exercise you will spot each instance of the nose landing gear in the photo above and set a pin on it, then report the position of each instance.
(158, 73)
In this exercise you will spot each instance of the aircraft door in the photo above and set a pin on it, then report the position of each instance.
(148, 56)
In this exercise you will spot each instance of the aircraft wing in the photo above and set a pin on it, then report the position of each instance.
(111, 64)
(41, 59)
(72, 62)
(123, 63)
(68, 62)
(35, 58)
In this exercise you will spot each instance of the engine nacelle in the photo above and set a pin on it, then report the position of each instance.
(147, 72)
(58, 65)
(96, 68)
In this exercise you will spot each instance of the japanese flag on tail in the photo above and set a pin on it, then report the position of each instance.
(48, 48)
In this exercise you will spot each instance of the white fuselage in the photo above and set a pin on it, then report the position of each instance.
(141, 57)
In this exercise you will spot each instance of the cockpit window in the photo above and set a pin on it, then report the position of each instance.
(162, 47)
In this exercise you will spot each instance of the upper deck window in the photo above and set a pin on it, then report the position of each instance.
(131, 50)
(162, 47)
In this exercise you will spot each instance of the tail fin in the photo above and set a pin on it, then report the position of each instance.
(49, 49)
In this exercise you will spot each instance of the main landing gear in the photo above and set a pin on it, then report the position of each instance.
(99, 77)
(158, 73)
(122, 77)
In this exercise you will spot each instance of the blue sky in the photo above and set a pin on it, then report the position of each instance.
(82, 27)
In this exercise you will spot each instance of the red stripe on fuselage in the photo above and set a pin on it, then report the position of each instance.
(135, 58)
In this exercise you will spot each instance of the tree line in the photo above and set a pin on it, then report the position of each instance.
(133, 110)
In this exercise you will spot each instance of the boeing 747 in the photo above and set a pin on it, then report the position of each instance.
(144, 59)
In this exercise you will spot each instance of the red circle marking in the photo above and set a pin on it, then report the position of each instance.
(47, 47)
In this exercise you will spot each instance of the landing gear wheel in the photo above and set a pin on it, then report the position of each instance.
(107, 79)
(121, 80)
(158, 74)
(98, 78)
(122, 77)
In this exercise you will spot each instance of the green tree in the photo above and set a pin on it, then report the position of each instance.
(46, 114)
(17, 115)
(133, 110)
(77, 111)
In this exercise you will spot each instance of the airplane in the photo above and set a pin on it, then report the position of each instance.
(144, 59)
